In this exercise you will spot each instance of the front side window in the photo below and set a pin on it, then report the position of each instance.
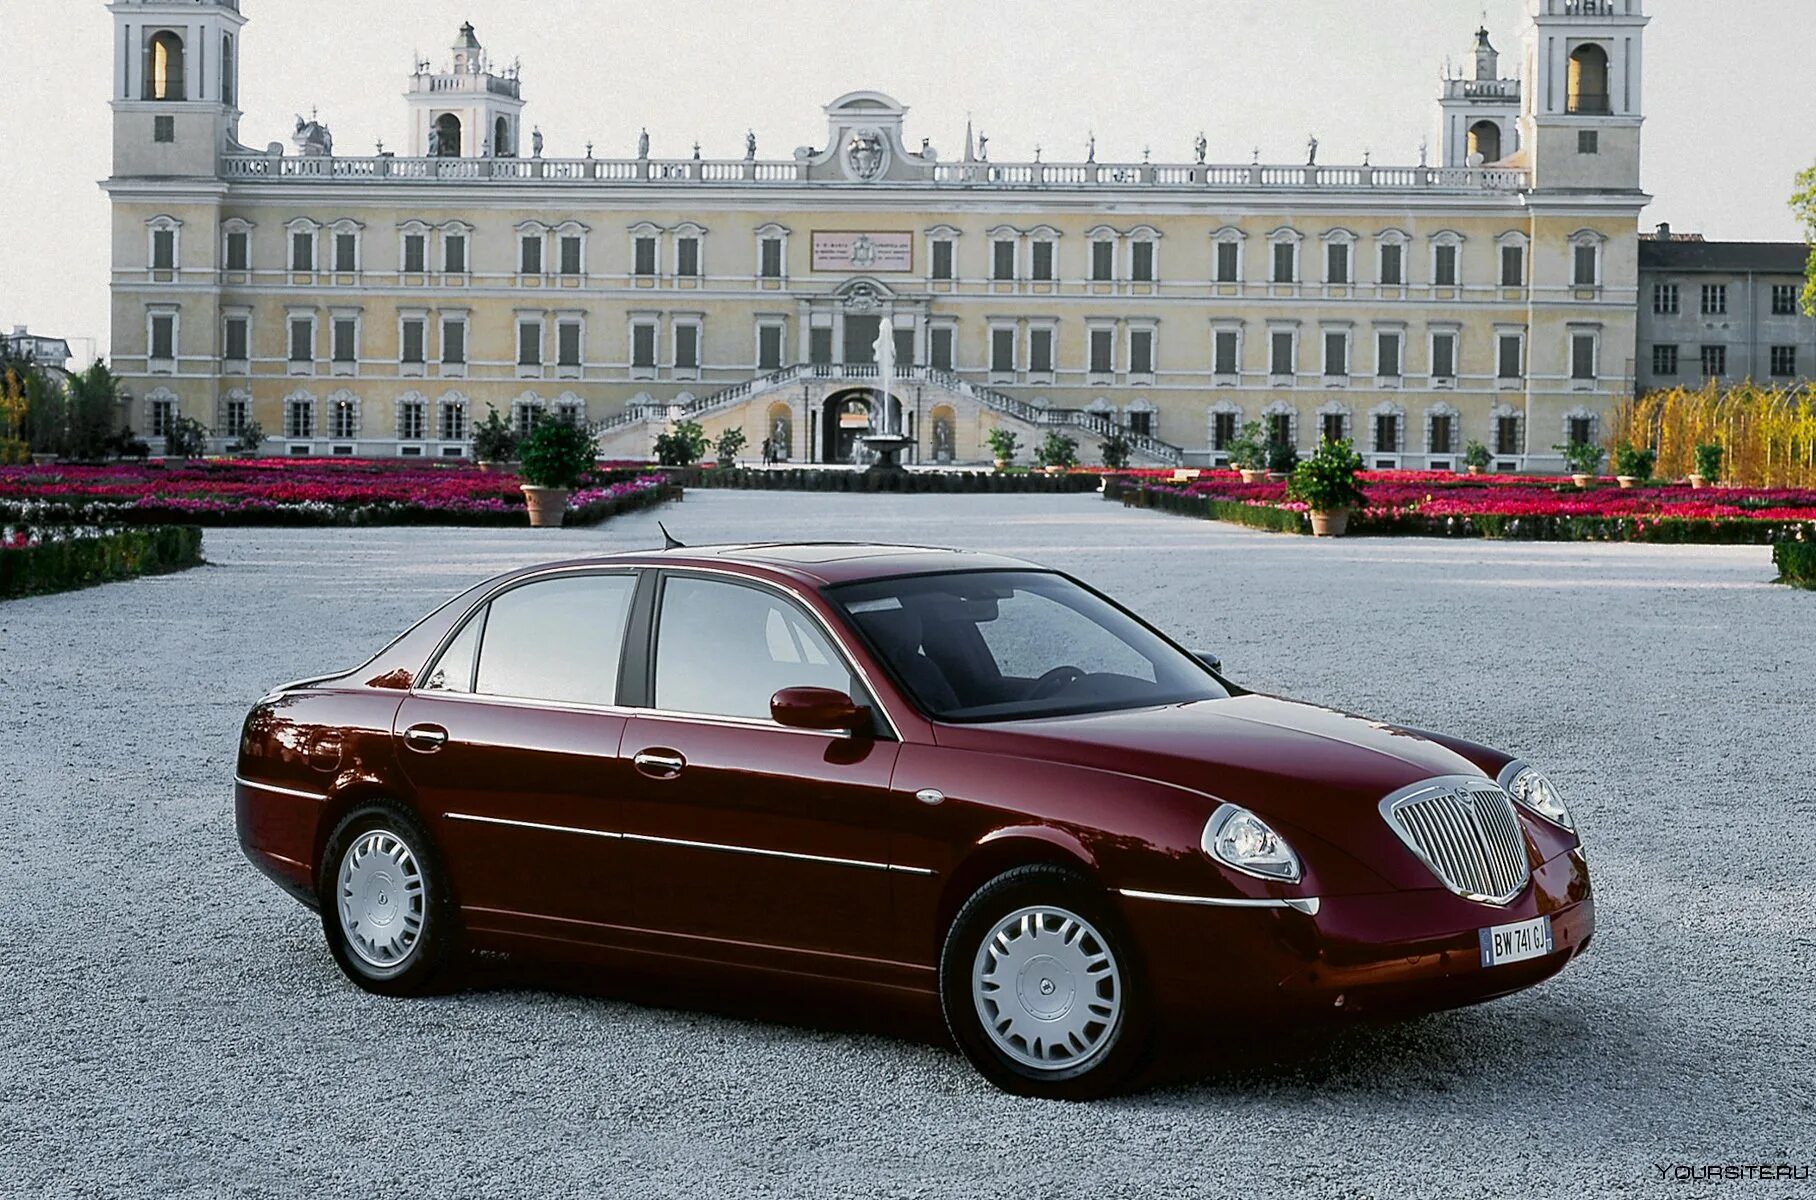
(1011, 645)
(557, 640)
(723, 649)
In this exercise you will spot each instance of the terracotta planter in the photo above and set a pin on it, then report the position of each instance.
(1627, 481)
(1276, 476)
(1249, 476)
(1330, 524)
(546, 505)
(1054, 470)
(1002, 464)
(1474, 470)
(490, 467)
(1583, 481)
(1698, 482)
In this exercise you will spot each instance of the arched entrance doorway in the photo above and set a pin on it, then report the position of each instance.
(848, 415)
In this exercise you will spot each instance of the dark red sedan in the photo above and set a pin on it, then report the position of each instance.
(906, 769)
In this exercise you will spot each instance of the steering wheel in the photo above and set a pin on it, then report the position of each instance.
(1054, 682)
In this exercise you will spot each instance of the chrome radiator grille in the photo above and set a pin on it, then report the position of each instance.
(1465, 830)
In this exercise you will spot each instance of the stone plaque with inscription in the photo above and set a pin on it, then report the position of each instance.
(875, 252)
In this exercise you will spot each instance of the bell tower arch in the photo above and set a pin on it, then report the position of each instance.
(176, 85)
(468, 109)
(1583, 109)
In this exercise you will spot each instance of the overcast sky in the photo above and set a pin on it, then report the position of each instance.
(1730, 111)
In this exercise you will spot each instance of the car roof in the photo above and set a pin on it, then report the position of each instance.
(819, 563)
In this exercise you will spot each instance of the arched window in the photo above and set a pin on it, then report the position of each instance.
(447, 136)
(501, 138)
(1485, 140)
(1589, 79)
(164, 67)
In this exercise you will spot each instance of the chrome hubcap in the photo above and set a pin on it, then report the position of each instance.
(1047, 988)
(381, 898)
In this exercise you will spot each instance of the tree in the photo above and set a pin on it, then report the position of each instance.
(1803, 203)
(94, 407)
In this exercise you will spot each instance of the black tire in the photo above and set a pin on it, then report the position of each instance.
(1115, 1056)
(424, 965)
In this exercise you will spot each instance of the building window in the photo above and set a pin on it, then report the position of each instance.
(1714, 360)
(529, 343)
(164, 130)
(302, 340)
(416, 253)
(570, 254)
(1444, 356)
(1664, 360)
(1334, 427)
(1224, 352)
(1103, 351)
(1784, 361)
(415, 341)
(769, 347)
(1387, 355)
(236, 340)
(1784, 299)
(1336, 354)
(343, 419)
(453, 421)
(236, 410)
(1281, 359)
(239, 256)
(1585, 259)
(453, 343)
(164, 250)
(1507, 434)
(1581, 430)
(1103, 261)
(1387, 433)
(770, 258)
(1280, 429)
(1229, 262)
(164, 67)
(1223, 430)
(1002, 260)
(687, 257)
(524, 416)
(687, 347)
(1665, 299)
(1582, 356)
(1141, 352)
(643, 346)
(302, 250)
(1588, 141)
(567, 344)
(454, 253)
(1513, 266)
(164, 337)
(1510, 364)
(1393, 264)
(346, 340)
(412, 420)
(1286, 262)
(1040, 351)
(819, 345)
(1041, 268)
(939, 341)
(1336, 263)
(942, 260)
(1141, 267)
(1443, 433)
(529, 256)
(159, 413)
(299, 418)
(645, 256)
(1444, 266)
(1002, 351)
(346, 252)
(1714, 299)
(1141, 423)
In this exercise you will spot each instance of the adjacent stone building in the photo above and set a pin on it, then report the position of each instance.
(378, 304)
(1726, 311)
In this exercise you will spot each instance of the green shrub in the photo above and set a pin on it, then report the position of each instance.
(1327, 480)
(1281, 457)
(71, 559)
(1708, 461)
(1003, 444)
(94, 404)
(681, 446)
(1248, 449)
(1582, 458)
(728, 445)
(251, 437)
(186, 437)
(493, 438)
(1476, 455)
(1057, 450)
(557, 454)
(1634, 461)
(1796, 563)
(1114, 450)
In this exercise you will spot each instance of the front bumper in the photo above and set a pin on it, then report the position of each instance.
(1392, 952)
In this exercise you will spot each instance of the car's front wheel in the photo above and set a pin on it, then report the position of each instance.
(1040, 986)
(384, 906)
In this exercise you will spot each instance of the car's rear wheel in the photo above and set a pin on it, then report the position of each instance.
(1040, 986)
(384, 905)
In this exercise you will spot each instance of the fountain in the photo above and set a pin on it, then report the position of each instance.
(889, 442)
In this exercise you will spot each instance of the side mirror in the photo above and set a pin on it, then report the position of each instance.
(1210, 660)
(818, 708)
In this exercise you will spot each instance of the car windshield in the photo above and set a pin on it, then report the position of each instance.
(1007, 645)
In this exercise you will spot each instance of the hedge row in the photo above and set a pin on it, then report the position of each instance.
(86, 559)
(812, 479)
(1796, 563)
(592, 514)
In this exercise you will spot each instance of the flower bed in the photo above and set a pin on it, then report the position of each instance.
(302, 492)
(1428, 504)
(821, 479)
(62, 558)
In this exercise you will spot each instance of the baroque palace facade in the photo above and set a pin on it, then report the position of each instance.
(378, 305)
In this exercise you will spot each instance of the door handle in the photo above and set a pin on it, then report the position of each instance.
(425, 739)
(659, 764)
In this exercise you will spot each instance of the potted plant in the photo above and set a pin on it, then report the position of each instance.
(1584, 461)
(494, 443)
(1248, 452)
(1003, 444)
(728, 445)
(1057, 452)
(251, 437)
(555, 457)
(1633, 464)
(1115, 451)
(1708, 465)
(1326, 484)
(1475, 457)
(185, 438)
(681, 446)
(1282, 460)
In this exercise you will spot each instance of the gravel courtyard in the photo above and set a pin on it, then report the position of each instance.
(174, 1026)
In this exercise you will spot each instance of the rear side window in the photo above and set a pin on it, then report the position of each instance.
(557, 640)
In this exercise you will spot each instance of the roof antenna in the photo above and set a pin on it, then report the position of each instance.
(669, 540)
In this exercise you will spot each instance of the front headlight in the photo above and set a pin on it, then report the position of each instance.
(1237, 838)
(1537, 794)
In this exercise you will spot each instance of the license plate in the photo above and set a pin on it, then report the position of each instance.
(1516, 942)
